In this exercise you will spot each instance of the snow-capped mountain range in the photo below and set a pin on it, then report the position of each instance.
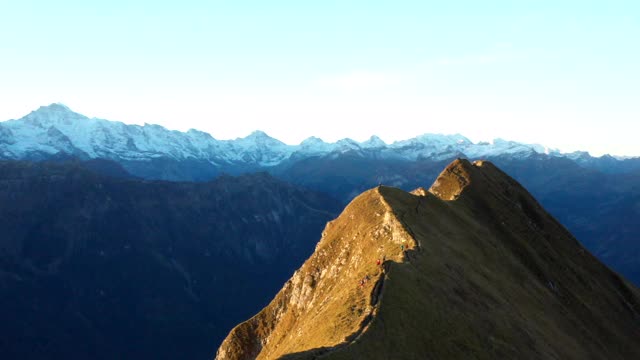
(55, 129)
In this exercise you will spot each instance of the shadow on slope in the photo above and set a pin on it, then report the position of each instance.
(101, 267)
(495, 277)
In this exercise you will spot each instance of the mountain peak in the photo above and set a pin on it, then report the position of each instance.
(60, 105)
(55, 107)
(347, 144)
(374, 142)
(312, 140)
(26, 138)
(442, 138)
(452, 180)
(261, 139)
(258, 134)
(52, 115)
(440, 275)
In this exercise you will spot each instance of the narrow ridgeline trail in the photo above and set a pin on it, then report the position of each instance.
(472, 268)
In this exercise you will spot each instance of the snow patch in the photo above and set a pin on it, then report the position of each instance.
(56, 128)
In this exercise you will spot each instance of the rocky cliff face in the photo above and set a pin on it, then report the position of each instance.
(471, 268)
(335, 294)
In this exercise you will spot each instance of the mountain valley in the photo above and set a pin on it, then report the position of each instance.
(93, 266)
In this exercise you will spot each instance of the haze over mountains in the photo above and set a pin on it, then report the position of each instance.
(596, 198)
(66, 131)
(473, 268)
(97, 267)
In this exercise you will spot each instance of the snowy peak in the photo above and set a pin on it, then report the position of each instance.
(435, 146)
(347, 144)
(55, 128)
(261, 138)
(55, 108)
(311, 141)
(257, 148)
(443, 139)
(374, 142)
(56, 113)
(60, 106)
(258, 134)
(576, 155)
(313, 146)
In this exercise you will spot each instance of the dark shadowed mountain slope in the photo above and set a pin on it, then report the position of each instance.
(100, 267)
(346, 175)
(473, 268)
(601, 210)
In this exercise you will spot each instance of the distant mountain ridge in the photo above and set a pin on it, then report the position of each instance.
(55, 130)
(596, 198)
(99, 267)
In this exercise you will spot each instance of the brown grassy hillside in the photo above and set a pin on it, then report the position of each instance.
(486, 273)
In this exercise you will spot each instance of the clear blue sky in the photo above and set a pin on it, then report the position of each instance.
(565, 74)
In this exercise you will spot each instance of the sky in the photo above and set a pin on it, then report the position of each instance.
(563, 73)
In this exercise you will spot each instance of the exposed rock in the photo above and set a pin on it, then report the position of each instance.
(473, 268)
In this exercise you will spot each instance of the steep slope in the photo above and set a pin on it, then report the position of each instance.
(600, 209)
(485, 273)
(328, 286)
(108, 268)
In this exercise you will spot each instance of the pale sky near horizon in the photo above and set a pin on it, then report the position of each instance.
(565, 74)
